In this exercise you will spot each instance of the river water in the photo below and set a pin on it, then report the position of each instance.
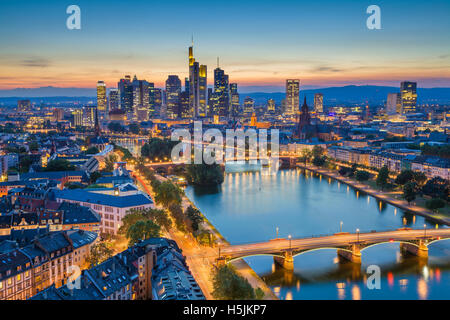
(248, 207)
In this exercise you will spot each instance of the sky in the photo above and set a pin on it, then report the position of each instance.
(259, 43)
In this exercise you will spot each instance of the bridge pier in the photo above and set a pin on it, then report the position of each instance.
(287, 262)
(353, 256)
(420, 250)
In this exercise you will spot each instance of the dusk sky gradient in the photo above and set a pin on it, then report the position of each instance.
(260, 43)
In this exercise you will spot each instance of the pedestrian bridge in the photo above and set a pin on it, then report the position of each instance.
(348, 245)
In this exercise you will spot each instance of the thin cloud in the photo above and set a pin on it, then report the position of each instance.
(35, 63)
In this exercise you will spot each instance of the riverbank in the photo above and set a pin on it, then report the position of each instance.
(199, 258)
(402, 204)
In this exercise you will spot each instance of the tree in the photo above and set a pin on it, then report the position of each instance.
(99, 252)
(204, 174)
(317, 151)
(437, 188)
(160, 217)
(177, 214)
(59, 165)
(92, 150)
(33, 146)
(115, 127)
(94, 176)
(227, 285)
(134, 128)
(109, 163)
(404, 177)
(130, 219)
(410, 191)
(195, 217)
(435, 204)
(167, 193)
(319, 161)
(25, 163)
(362, 175)
(382, 178)
(158, 148)
(142, 230)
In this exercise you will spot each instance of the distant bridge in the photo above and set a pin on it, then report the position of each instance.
(348, 245)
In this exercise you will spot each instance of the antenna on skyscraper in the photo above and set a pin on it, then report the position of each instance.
(217, 62)
(192, 40)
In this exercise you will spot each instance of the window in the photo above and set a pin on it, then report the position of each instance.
(19, 277)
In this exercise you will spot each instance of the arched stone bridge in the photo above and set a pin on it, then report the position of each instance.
(348, 245)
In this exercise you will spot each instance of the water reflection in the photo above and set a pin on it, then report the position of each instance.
(249, 208)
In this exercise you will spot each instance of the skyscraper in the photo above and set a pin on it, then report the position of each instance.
(235, 106)
(125, 94)
(249, 106)
(221, 103)
(114, 99)
(292, 96)
(393, 104)
(173, 91)
(408, 91)
(141, 99)
(270, 106)
(318, 103)
(101, 99)
(89, 116)
(197, 86)
(155, 98)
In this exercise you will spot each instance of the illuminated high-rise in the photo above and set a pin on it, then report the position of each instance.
(393, 104)
(197, 86)
(249, 106)
(114, 99)
(408, 92)
(235, 106)
(271, 106)
(101, 99)
(221, 103)
(125, 94)
(141, 99)
(173, 91)
(292, 96)
(318, 102)
(155, 100)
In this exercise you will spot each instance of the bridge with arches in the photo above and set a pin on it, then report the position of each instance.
(349, 246)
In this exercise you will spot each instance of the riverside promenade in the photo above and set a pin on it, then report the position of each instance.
(402, 204)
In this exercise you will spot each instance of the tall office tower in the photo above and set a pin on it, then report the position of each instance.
(173, 90)
(77, 118)
(141, 99)
(114, 99)
(125, 94)
(155, 97)
(393, 104)
(197, 86)
(184, 105)
(235, 106)
(408, 91)
(271, 106)
(210, 101)
(292, 96)
(202, 91)
(221, 104)
(186, 85)
(249, 106)
(89, 116)
(23, 105)
(101, 99)
(318, 102)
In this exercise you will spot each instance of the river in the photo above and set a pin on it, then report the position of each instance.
(249, 207)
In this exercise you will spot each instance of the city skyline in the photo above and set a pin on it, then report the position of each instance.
(262, 49)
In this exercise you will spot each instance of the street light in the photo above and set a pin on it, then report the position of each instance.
(341, 225)
(277, 233)
(290, 242)
(357, 232)
(425, 230)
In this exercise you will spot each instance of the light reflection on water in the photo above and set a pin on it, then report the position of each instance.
(248, 207)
